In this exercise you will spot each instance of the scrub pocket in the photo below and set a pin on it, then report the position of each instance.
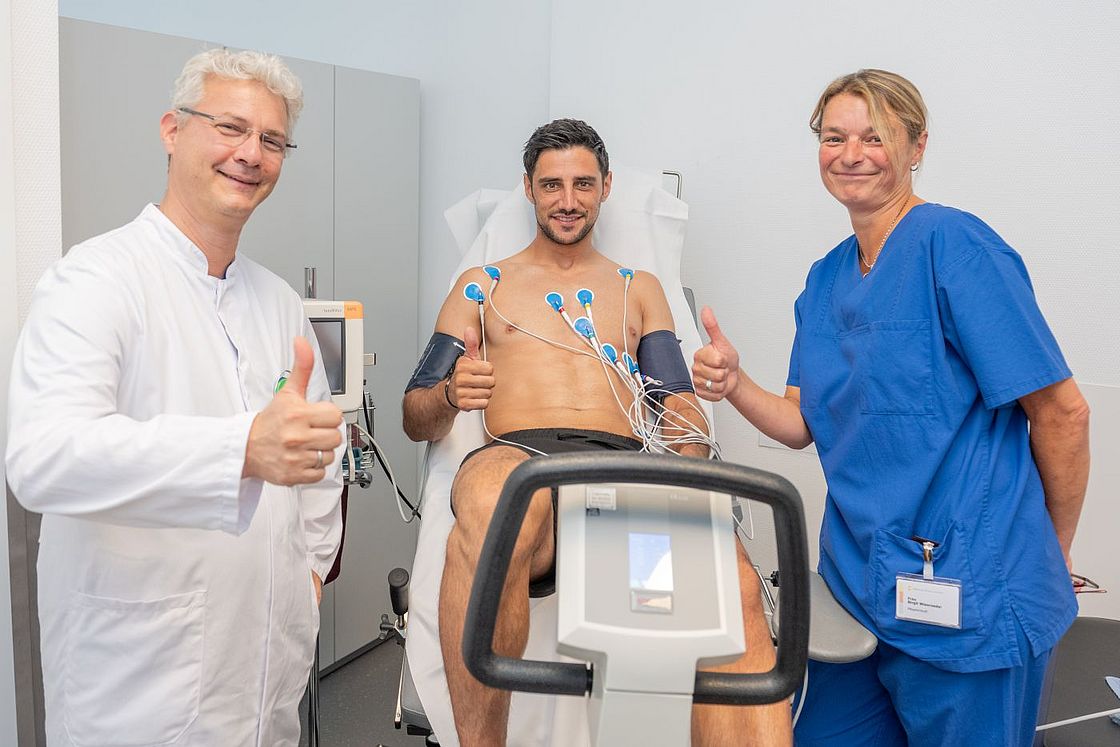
(895, 364)
(133, 669)
(891, 555)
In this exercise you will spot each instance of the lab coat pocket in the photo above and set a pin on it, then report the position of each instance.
(895, 361)
(133, 669)
(315, 611)
(893, 554)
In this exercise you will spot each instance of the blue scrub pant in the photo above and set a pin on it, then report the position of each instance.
(891, 698)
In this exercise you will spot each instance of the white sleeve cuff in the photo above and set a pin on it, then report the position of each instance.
(239, 506)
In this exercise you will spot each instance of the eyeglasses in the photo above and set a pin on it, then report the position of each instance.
(235, 134)
(1085, 585)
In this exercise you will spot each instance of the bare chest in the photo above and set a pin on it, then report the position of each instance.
(522, 310)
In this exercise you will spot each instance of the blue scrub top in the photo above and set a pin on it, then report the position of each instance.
(909, 379)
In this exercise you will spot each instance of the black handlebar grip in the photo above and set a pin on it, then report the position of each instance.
(398, 591)
(564, 678)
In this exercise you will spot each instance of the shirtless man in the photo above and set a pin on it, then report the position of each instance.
(525, 385)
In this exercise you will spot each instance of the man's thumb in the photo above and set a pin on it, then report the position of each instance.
(470, 341)
(708, 318)
(301, 367)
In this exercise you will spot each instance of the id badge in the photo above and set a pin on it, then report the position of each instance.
(928, 600)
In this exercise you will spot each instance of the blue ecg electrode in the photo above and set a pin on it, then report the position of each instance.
(473, 292)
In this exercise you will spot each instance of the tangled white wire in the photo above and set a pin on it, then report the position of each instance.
(658, 427)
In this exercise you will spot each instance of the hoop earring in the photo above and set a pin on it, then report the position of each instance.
(914, 167)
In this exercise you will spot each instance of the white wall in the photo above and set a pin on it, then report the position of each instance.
(483, 71)
(1024, 104)
(9, 325)
(30, 230)
(1023, 107)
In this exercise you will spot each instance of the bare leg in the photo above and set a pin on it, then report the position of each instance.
(481, 713)
(768, 725)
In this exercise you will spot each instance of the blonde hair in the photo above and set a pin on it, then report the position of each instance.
(267, 69)
(888, 96)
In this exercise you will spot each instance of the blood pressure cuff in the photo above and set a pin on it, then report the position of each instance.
(437, 361)
(660, 357)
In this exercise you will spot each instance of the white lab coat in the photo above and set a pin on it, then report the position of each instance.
(175, 598)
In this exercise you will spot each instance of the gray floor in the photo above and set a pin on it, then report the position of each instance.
(357, 702)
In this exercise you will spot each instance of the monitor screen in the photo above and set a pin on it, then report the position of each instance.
(651, 562)
(329, 332)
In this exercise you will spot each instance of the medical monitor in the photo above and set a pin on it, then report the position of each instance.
(338, 329)
(646, 568)
(648, 588)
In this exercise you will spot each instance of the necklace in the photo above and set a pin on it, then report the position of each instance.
(882, 243)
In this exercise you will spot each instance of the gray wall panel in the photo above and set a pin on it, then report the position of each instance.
(115, 84)
(294, 227)
(377, 218)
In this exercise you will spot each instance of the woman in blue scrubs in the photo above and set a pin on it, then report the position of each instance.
(920, 360)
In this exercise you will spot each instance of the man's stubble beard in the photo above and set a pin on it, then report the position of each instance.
(551, 235)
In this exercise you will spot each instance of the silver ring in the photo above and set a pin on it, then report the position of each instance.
(319, 459)
(708, 385)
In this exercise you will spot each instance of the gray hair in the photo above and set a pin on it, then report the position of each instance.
(245, 65)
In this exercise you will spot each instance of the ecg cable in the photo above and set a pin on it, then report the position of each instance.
(658, 427)
(473, 292)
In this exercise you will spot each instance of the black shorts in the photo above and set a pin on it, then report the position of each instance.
(556, 441)
(560, 441)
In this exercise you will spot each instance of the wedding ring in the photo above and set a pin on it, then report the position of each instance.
(708, 385)
(319, 459)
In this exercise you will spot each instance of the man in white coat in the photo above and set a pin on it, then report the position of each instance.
(190, 499)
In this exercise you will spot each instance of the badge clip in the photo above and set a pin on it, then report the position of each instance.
(927, 599)
(927, 555)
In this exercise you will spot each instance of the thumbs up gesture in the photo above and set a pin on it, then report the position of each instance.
(715, 367)
(292, 441)
(472, 381)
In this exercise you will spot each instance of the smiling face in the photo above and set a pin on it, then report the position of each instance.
(566, 189)
(862, 168)
(214, 182)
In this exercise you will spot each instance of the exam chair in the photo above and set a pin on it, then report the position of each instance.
(641, 226)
